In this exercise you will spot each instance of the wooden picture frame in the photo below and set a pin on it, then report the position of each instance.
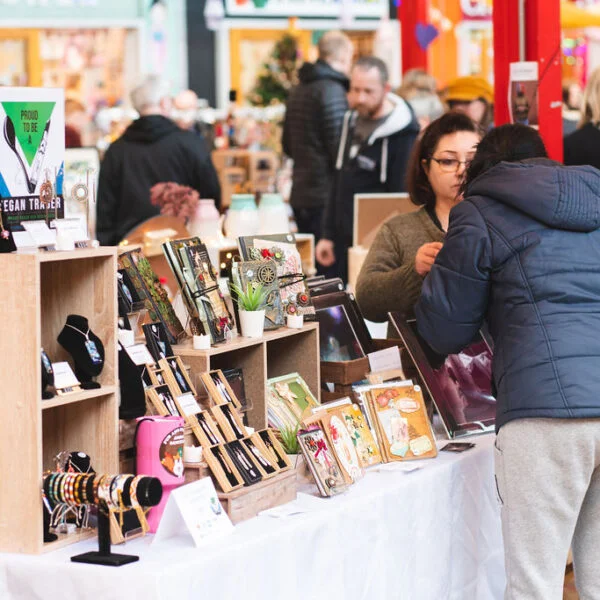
(176, 375)
(219, 390)
(206, 431)
(222, 468)
(229, 421)
(156, 375)
(245, 462)
(263, 459)
(267, 441)
(162, 400)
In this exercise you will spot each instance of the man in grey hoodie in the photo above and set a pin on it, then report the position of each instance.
(377, 138)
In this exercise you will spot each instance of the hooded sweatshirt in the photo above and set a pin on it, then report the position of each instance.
(152, 150)
(522, 252)
(311, 132)
(377, 166)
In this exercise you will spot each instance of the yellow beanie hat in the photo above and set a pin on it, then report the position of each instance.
(467, 89)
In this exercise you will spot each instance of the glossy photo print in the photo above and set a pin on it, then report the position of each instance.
(460, 384)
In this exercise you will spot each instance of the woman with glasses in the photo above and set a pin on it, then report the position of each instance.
(406, 246)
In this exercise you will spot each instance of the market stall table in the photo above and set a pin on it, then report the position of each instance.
(427, 534)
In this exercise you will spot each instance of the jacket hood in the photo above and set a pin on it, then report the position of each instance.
(147, 130)
(401, 117)
(321, 70)
(558, 196)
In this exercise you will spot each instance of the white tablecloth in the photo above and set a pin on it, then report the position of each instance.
(432, 534)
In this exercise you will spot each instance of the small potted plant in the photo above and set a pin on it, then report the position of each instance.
(294, 319)
(251, 309)
(291, 445)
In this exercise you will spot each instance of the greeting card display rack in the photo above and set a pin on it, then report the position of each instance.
(39, 291)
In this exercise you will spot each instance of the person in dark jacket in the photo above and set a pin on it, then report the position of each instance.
(522, 252)
(311, 131)
(152, 150)
(583, 146)
(373, 154)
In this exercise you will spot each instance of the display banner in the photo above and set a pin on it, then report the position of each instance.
(32, 149)
(305, 8)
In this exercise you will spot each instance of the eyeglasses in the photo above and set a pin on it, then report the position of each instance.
(451, 165)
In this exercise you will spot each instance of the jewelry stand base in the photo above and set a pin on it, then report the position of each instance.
(107, 560)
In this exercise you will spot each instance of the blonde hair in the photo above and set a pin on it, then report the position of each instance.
(590, 105)
(333, 45)
(415, 83)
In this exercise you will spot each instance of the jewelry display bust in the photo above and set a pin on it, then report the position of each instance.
(86, 349)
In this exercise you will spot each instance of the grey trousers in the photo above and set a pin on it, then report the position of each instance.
(548, 481)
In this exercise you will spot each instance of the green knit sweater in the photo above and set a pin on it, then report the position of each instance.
(388, 280)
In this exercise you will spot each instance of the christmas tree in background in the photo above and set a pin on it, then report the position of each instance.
(278, 75)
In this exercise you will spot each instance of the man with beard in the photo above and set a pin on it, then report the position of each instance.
(377, 137)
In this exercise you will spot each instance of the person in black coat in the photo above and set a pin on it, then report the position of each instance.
(521, 253)
(311, 131)
(373, 154)
(152, 150)
(583, 146)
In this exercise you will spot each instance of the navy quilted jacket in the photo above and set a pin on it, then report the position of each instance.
(523, 252)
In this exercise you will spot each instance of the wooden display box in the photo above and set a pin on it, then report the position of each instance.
(39, 291)
(277, 353)
(248, 501)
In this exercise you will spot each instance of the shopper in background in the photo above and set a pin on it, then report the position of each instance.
(76, 120)
(377, 137)
(583, 146)
(419, 89)
(522, 252)
(152, 150)
(475, 97)
(406, 246)
(311, 131)
(185, 114)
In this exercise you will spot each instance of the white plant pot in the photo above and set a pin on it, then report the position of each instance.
(252, 323)
(300, 466)
(295, 321)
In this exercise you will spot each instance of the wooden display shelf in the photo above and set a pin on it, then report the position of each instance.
(39, 291)
(106, 390)
(277, 353)
(68, 539)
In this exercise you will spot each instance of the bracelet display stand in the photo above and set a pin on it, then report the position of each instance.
(104, 556)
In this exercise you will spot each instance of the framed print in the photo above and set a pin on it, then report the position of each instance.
(401, 422)
(162, 400)
(266, 441)
(176, 375)
(283, 251)
(294, 393)
(229, 421)
(207, 432)
(147, 284)
(364, 442)
(219, 390)
(321, 461)
(341, 443)
(244, 461)
(223, 469)
(460, 385)
(343, 334)
(263, 460)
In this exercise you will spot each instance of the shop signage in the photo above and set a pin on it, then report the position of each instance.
(61, 3)
(32, 149)
(305, 8)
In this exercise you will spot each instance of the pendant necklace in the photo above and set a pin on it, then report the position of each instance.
(90, 345)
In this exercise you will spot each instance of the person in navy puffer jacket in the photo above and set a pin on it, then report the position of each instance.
(523, 253)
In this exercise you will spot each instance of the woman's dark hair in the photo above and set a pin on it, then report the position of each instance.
(417, 182)
(507, 143)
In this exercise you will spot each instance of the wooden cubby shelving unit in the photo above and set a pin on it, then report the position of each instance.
(277, 353)
(38, 292)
